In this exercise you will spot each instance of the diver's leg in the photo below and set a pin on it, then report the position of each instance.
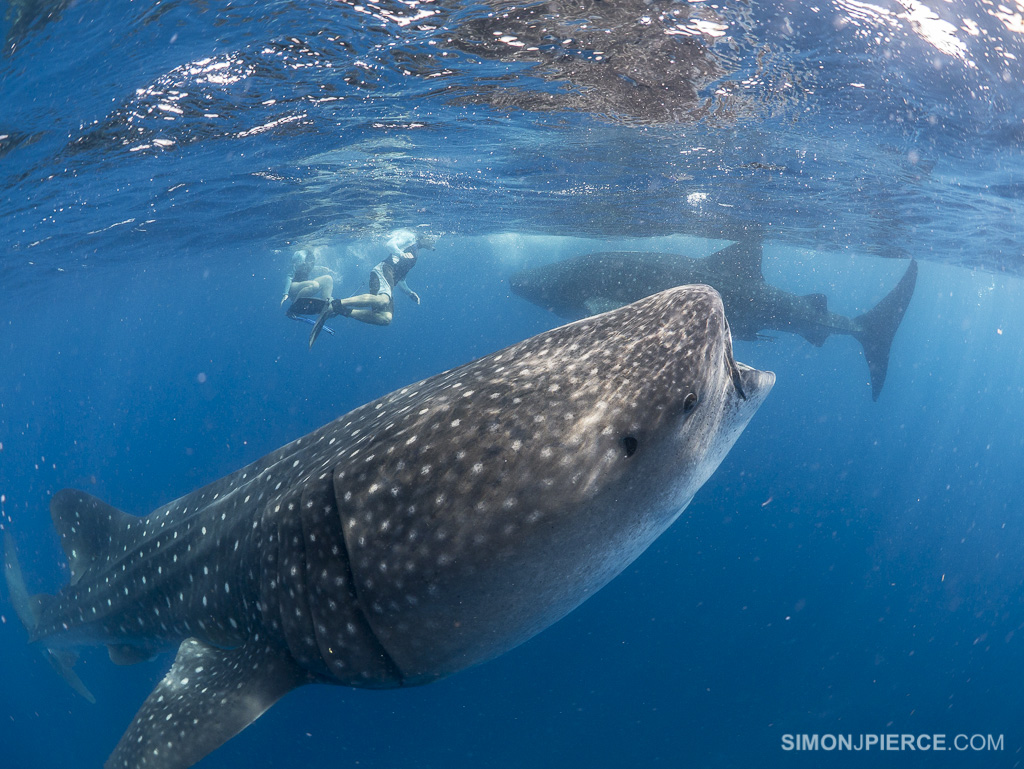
(326, 286)
(375, 309)
(372, 302)
(374, 317)
(369, 308)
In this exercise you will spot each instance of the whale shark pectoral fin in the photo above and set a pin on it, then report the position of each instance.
(208, 696)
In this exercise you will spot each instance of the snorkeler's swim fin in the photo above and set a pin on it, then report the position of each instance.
(332, 308)
(312, 322)
(326, 313)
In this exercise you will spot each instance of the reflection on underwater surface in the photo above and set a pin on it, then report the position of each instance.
(846, 126)
(854, 567)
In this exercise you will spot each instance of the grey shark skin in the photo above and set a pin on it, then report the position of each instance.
(597, 282)
(422, 533)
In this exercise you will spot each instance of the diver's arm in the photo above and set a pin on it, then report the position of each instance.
(408, 291)
(288, 285)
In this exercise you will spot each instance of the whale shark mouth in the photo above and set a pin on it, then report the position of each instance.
(734, 369)
(737, 380)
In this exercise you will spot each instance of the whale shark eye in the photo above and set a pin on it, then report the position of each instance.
(629, 444)
(689, 402)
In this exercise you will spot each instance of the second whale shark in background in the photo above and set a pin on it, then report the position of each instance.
(585, 285)
(429, 530)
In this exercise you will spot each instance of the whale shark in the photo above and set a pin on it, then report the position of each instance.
(424, 532)
(597, 282)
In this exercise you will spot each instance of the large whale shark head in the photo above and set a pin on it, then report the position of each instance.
(429, 530)
(543, 471)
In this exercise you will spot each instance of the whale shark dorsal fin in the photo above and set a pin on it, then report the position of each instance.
(740, 260)
(88, 528)
(208, 696)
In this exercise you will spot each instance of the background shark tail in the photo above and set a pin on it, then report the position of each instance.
(877, 327)
(24, 604)
(28, 608)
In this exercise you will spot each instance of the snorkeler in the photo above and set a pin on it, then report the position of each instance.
(377, 306)
(300, 283)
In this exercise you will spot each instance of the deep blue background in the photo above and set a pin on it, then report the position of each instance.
(852, 567)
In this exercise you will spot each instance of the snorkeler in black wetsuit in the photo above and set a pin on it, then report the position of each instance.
(377, 306)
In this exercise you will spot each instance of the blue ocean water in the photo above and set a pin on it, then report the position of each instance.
(852, 567)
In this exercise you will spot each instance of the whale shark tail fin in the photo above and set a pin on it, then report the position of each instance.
(29, 608)
(877, 327)
(24, 604)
